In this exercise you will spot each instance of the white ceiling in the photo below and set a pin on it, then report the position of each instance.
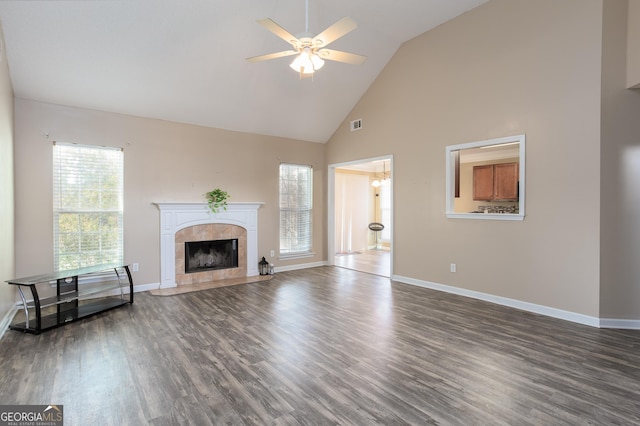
(185, 61)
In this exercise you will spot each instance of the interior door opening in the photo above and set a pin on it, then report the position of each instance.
(360, 216)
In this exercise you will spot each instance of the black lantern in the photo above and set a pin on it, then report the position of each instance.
(263, 266)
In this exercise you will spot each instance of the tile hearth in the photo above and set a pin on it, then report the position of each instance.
(189, 288)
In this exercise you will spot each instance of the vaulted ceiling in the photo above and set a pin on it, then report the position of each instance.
(184, 61)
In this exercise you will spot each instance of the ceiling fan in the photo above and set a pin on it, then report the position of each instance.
(311, 50)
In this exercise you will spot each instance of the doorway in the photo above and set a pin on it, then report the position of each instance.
(360, 210)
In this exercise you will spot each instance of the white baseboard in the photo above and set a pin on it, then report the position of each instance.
(6, 320)
(300, 266)
(620, 323)
(125, 289)
(144, 287)
(525, 306)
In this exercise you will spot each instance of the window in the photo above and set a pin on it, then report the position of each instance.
(87, 206)
(296, 203)
(485, 179)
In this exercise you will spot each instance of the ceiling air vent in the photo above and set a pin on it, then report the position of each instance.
(356, 124)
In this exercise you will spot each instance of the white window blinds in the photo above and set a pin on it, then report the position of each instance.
(87, 206)
(296, 203)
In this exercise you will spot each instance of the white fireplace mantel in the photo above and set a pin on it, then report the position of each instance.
(176, 216)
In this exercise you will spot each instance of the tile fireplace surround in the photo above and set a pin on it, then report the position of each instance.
(177, 216)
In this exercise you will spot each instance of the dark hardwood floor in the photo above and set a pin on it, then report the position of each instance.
(325, 346)
(371, 261)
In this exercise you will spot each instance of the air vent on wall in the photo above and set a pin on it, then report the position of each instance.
(356, 124)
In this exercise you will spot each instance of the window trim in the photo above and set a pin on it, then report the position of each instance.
(58, 209)
(451, 154)
(296, 254)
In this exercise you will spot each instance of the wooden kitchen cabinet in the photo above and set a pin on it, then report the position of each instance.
(496, 182)
(505, 182)
(483, 182)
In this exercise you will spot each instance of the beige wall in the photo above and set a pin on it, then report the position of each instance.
(555, 71)
(164, 162)
(620, 165)
(508, 67)
(7, 259)
(633, 45)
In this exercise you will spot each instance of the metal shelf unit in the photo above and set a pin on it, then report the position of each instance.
(69, 294)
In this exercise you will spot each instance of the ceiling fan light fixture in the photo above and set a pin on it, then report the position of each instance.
(317, 62)
(307, 62)
(310, 49)
(302, 63)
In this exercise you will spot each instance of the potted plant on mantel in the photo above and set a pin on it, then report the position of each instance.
(217, 199)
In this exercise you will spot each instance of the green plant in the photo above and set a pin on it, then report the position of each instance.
(217, 199)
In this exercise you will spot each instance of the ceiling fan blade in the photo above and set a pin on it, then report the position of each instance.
(272, 56)
(346, 57)
(279, 31)
(335, 31)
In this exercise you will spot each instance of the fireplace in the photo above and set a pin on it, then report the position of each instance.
(210, 255)
(182, 222)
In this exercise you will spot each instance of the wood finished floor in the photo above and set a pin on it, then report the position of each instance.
(325, 346)
(371, 261)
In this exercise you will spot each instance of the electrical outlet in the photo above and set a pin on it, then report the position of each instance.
(273, 253)
(136, 267)
(453, 267)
